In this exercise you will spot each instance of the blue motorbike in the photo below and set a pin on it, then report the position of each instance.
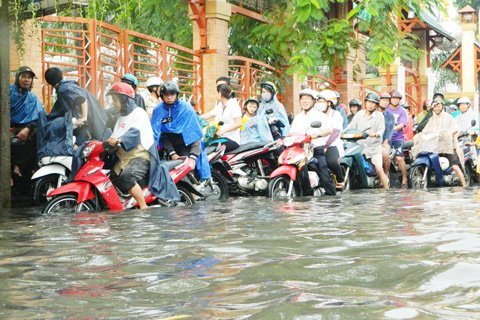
(359, 172)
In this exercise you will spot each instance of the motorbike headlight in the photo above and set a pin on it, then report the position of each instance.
(87, 150)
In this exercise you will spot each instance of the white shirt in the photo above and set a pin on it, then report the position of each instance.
(337, 123)
(227, 115)
(302, 124)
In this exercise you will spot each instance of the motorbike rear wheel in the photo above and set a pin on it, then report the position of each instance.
(186, 197)
(417, 178)
(278, 188)
(67, 203)
(42, 186)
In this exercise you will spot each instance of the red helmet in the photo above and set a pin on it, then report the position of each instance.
(122, 88)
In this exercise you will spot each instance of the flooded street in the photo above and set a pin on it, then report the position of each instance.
(362, 255)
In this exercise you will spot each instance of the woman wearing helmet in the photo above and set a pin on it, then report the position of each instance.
(373, 123)
(302, 124)
(464, 119)
(137, 156)
(273, 110)
(133, 82)
(153, 86)
(25, 109)
(333, 98)
(177, 129)
(334, 147)
(254, 126)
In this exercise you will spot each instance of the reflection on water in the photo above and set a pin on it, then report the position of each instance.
(365, 255)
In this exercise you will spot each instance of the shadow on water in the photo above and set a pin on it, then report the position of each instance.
(362, 255)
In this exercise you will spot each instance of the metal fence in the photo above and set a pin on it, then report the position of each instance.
(96, 54)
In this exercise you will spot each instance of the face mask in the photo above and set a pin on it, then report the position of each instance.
(266, 96)
(321, 106)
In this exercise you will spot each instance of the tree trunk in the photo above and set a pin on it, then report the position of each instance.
(5, 195)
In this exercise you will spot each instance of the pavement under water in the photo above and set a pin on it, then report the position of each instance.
(366, 254)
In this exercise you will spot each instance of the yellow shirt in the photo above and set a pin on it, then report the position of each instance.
(125, 157)
(245, 119)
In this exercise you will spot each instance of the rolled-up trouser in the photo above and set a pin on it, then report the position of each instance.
(322, 171)
(135, 172)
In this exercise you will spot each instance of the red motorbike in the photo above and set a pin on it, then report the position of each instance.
(293, 178)
(247, 168)
(92, 189)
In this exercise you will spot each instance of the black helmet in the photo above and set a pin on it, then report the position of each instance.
(373, 97)
(355, 102)
(438, 96)
(25, 69)
(169, 87)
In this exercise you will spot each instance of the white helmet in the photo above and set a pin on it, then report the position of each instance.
(329, 95)
(154, 81)
(308, 92)
(464, 100)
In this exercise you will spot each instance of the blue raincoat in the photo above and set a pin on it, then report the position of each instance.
(25, 107)
(278, 113)
(256, 130)
(182, 119)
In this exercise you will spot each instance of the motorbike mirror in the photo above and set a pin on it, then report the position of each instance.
(473, 123)
(316, 124)
(269, 111)
(220, 123)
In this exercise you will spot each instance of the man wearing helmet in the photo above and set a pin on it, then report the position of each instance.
(25, 109)
(177, 129)
(133, 82)
(84, 107)
(438, 96)
(153, 86)
(302, 124)
(398, 137)
(334, 147)
(443, 124)
(273, 110)
(137, 156)
(373, 123)
(354, 105)
(387, 134)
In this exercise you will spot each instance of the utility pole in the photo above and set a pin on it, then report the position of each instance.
(5, 189)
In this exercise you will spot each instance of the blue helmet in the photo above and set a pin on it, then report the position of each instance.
(130, 79)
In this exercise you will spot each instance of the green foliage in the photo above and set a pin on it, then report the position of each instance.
(459, 4)
(164, 19)
(445, 76)
(305, 36)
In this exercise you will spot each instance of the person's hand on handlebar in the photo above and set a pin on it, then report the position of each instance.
(113, 141)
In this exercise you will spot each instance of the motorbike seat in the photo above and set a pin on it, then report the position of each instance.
(173, 163)
(247, 147)
(65, 161)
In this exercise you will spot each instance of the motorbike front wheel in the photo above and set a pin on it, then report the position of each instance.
(418, 177)
(67, 203)
(278, 188)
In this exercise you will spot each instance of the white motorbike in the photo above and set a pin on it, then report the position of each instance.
(53, 172)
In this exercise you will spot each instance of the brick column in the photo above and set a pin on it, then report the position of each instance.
(215, 56)
(32, 56)
(291, 88)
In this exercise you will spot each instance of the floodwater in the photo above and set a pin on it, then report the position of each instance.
(362, 255)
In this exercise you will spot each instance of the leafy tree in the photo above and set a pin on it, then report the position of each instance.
(459, 4)
(306, 33)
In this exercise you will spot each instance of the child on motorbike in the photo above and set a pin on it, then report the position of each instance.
(137, 156)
